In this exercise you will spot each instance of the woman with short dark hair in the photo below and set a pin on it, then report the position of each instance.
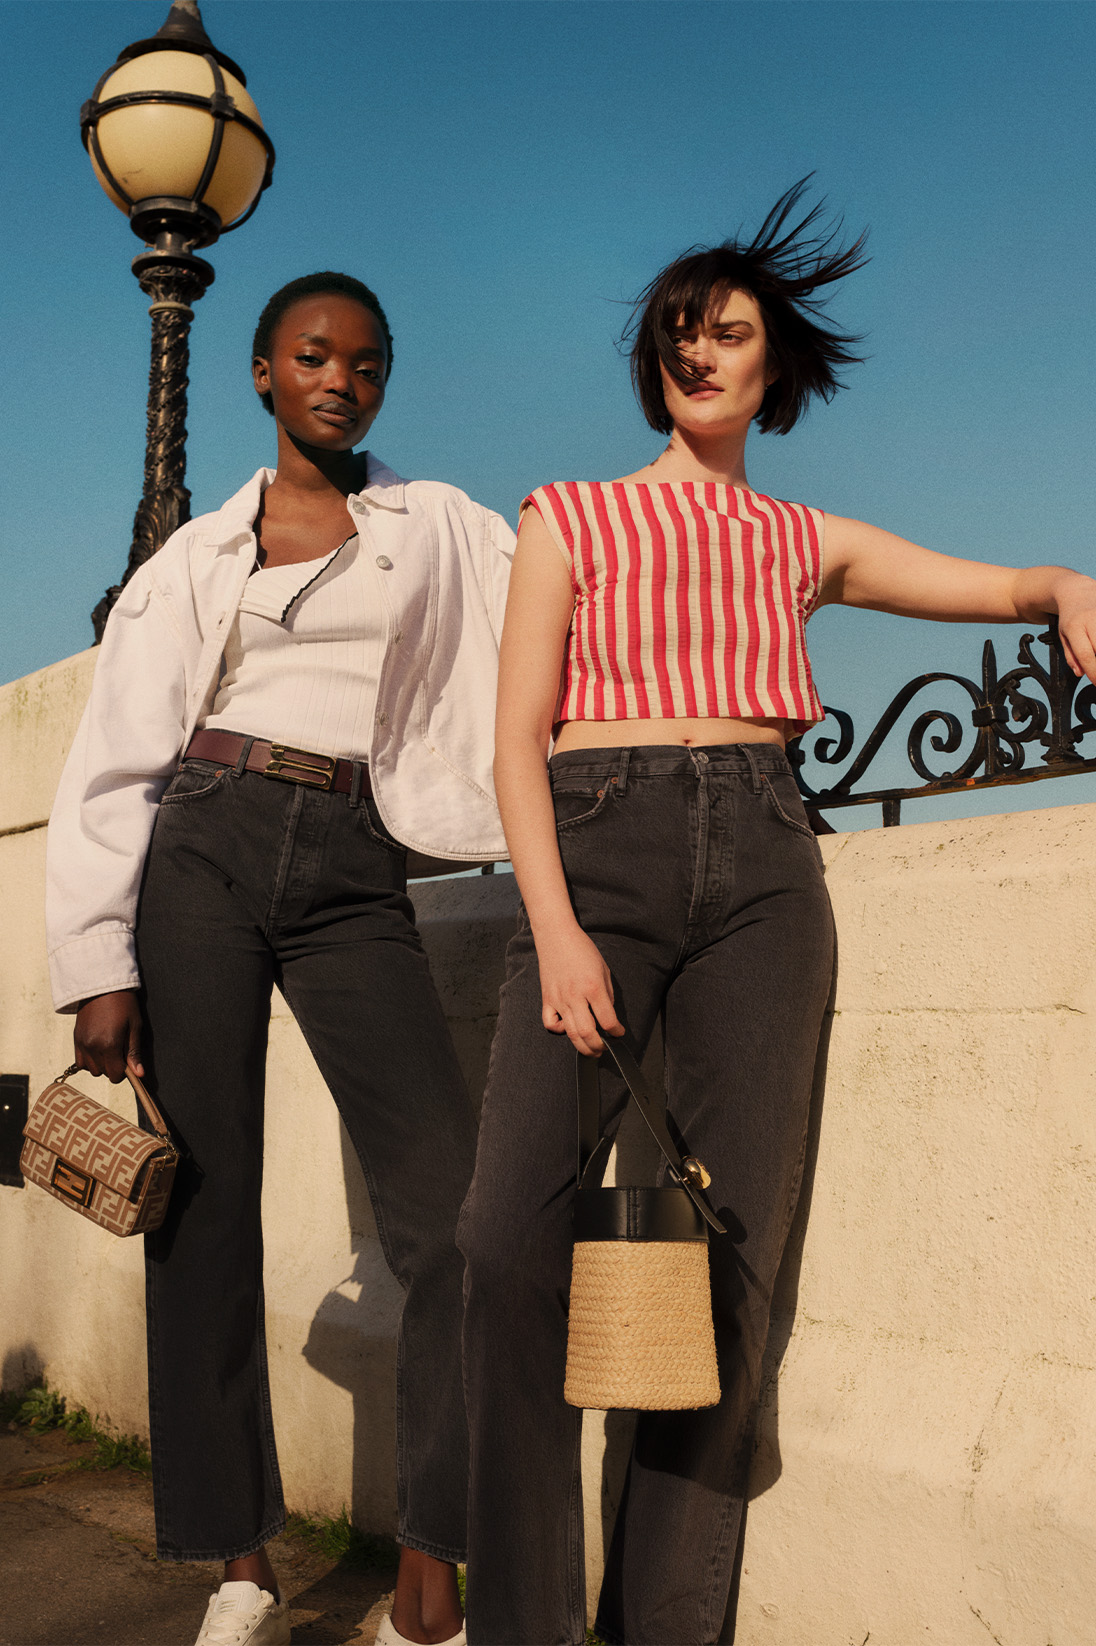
(655, 641)
(295, 691)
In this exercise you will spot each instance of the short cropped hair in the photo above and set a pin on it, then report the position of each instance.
(315, 285)
(781, 268)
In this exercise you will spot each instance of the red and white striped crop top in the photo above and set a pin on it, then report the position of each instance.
(691, 600)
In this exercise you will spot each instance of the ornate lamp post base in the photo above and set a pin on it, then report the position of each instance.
(174, 279)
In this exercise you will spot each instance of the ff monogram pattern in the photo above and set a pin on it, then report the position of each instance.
(91, 1159)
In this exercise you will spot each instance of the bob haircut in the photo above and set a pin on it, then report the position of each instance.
(315, 285)
(781, 268)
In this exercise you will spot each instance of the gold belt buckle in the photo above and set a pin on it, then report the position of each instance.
(293, 766)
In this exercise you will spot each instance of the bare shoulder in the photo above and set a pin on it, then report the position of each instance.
(840, 529)
(846, 538)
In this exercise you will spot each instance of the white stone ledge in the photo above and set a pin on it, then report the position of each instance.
(928, 1443)
(38, 719)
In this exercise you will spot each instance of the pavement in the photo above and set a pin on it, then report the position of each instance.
(78, 1563)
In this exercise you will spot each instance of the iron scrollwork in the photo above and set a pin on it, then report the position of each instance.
(1007, 721)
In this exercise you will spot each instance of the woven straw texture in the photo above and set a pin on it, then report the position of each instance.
(640, 1332)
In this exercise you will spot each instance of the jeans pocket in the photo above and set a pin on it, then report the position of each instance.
(782, 793)
(193, 781)
(578, 800)
(371, 817)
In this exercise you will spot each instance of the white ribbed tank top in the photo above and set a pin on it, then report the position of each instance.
(303, 658)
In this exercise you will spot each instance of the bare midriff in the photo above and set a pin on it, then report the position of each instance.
(619, 734)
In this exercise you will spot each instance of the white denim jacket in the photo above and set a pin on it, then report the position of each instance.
(443, 563)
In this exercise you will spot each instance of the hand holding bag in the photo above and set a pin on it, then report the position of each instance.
(102, 1166)
(639, 1332)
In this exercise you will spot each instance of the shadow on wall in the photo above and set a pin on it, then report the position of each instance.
(22, 1367)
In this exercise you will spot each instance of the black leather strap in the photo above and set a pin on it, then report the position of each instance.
(637, 1214)
(594, 1150)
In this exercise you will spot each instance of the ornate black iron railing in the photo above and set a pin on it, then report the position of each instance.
(1006, 722)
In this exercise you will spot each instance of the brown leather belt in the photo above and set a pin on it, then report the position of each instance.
(315, 771)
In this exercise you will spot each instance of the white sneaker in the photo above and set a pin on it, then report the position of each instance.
(242, 1614)
(389, 1635)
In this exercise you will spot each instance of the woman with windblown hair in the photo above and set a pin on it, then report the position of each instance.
(667, 868)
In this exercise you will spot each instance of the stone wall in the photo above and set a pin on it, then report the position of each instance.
(928, 1441)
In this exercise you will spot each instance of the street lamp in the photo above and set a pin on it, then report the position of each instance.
(178, 145)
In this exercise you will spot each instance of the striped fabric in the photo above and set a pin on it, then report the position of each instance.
(691, 600)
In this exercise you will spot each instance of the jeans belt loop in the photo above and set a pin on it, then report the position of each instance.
(755, 775)
(241, 765)
(356, 783)
(621, 779)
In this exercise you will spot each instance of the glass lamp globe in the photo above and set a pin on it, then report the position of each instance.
(171, 131)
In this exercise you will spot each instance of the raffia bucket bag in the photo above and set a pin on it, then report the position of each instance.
(639, 1332)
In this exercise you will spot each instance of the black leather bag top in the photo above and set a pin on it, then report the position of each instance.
(679, 1212)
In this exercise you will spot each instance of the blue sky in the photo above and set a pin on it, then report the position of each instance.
(507, 176)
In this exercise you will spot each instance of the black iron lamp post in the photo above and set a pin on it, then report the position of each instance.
(178, 145)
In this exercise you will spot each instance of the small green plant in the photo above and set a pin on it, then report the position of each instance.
(338, 1538)
(78, 1424)
(42, 1409)
(119, 1452)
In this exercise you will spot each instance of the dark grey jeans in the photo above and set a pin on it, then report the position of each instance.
(252, 883)
(697, 876)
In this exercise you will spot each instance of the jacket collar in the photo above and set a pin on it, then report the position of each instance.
(234, 522)
(383, 486)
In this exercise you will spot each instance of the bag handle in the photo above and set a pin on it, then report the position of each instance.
(159, 1124)
(594, 1150)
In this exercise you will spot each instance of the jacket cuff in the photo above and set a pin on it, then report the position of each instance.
(98, 963)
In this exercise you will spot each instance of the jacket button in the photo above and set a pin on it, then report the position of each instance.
(357, 505)
(397, 637)
(384, 563)
(382, 719)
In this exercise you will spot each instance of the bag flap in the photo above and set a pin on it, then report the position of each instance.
(91, 1138)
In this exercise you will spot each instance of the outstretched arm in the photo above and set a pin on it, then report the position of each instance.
(576, 988)
(868, 567)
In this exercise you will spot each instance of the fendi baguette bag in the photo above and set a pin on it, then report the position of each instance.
(104, 1167)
